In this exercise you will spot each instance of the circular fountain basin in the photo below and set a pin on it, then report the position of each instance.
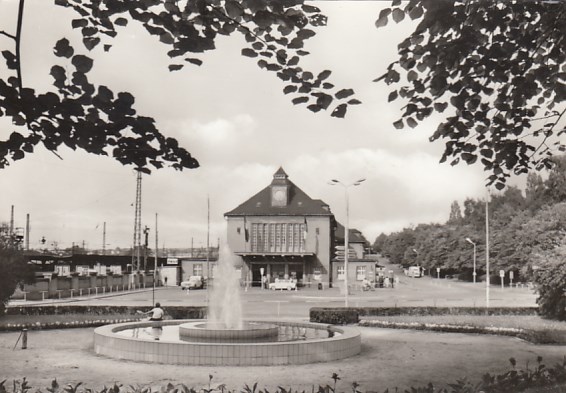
(328, 343)
(219, 332)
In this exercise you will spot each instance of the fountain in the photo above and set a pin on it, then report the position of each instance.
(225, 338)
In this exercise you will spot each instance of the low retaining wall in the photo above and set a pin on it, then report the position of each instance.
(343, 315)
(74, 286)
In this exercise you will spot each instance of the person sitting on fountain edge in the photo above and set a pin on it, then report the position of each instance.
(156, 313)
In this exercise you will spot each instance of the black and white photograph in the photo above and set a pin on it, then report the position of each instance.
(282, 196)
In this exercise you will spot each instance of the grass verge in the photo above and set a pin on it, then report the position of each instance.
(531, 328)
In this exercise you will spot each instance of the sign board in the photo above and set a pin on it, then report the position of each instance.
(261, 270)
(82, 270)
(317, 275)
(116, 269)
(502, 273)
(438, 270)
(341, 253)
(172, 261)
(511, 274)
(63, 270)
(100, 269)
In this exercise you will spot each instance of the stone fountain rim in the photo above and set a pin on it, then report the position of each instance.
(110, 330)
(250, 325)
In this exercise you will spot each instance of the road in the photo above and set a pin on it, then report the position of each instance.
(261, 303)
(389, 358)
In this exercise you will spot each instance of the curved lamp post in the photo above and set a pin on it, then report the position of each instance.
(334, 182)
(474, 244)
(417, 264)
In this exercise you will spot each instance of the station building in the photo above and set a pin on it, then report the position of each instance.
(281, 232)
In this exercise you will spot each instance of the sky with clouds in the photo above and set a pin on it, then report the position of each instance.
(234, 118)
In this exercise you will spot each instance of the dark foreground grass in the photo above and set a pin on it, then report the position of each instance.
(538, 378)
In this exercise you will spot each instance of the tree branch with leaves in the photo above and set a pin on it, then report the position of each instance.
(275, 33)
(79, 115)
(492, 70)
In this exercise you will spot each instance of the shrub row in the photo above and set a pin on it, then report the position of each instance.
(343, 315)
(10, 327)
(74, 316)
(175, 312)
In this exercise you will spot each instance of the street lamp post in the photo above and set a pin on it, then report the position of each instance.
(417, 263)
(487, 250)
(346, 230)
(474, 244)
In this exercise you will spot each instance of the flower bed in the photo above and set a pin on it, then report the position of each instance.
(530, 328)
(74, 316)
(537, 379)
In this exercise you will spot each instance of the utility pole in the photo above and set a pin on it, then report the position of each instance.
(346, 231)
(27, 232)
(104, 238)
(207, 246)
(155, 260)
(145, 244)
(487, 250)
(12, 223)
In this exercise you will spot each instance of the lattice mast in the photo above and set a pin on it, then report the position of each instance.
(136, 250)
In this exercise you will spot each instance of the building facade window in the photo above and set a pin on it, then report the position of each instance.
(340, 273)
(197, 269)
(265, 237)
(280, 237)
(360, 273)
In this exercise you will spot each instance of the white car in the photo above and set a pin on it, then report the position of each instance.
(194, 282)
(283, 284)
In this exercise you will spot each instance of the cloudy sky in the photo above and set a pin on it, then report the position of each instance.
(235, 120)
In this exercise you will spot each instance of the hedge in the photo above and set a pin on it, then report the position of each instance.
(174, 312)
(343, 315)
(92, 316)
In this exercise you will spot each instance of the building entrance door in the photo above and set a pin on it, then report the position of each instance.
(296, 271)
(256, 273)
(277, 271)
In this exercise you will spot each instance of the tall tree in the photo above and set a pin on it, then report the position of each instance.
(535, 191)
(555, 185)
(379, 242)
(495, 71)
(14, 269)
(455, 213)
(399, 244)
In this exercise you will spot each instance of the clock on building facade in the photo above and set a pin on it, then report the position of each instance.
(279, 196)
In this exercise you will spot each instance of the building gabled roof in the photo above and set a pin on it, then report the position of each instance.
(354, 235)
(298, 204)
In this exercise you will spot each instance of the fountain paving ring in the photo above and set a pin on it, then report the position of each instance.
(259, 343)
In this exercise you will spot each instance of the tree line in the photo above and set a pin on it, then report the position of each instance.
(526, 232)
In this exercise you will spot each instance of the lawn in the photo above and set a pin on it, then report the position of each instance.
(531, 328)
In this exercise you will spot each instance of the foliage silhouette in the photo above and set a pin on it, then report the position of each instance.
(495, 72)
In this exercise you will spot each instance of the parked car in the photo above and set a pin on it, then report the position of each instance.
(283, 284)
(413, 271)
(194, 282)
